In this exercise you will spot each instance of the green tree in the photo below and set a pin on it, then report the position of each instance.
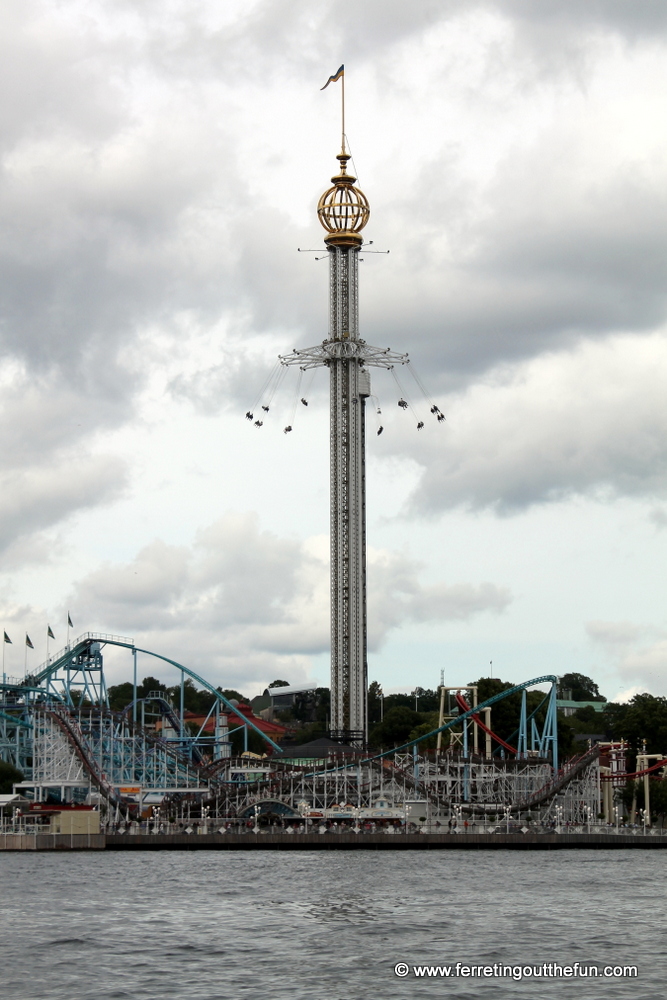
(427, 699)
(581, 688)
(397, 725)
(149, 684)
(120, 696)
(9, 775)
(256, 743)
(658, 799)
(643, 718)
(587, 714)
(374, 703)
(426, 727)
(323, 707)
(398, 701)
(279, 684)
(231, 693)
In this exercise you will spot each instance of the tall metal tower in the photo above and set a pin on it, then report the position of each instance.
(343, 211)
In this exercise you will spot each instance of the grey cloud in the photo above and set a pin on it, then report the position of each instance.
(615, 636)
(36, 498)
(544, 261)
(43, 414)
(241, 596)
(125, 218)
(591, 421)
(273, 32)
(659, 517)
(568, 17)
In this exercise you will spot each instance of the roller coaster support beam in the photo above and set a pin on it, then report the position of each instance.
(134, 687)
(204, 683)
(549, 741)
(550, 732)
(104, 640)
(487, 733)
(522, 742)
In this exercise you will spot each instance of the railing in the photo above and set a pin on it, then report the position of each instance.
(62, 653)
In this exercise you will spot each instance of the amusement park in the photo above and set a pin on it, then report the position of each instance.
(157, 767)
(84, 765)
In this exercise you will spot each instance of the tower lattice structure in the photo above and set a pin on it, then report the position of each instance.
(344, 211)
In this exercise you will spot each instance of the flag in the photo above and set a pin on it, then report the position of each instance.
(69, 621)
(28, 642)
(7, 639)
(49, 632)
(332, 79)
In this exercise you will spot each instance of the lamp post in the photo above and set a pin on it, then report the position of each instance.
(559, 819)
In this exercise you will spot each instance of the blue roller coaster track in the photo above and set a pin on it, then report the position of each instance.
(73, 681)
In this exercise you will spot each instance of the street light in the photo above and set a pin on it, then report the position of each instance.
(559, 819)
(508, 814)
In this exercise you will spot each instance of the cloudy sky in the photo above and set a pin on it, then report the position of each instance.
(161, 163)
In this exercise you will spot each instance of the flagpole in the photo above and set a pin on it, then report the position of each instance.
(68, 629)
(47, 642)
(342, 98)
(4, 676)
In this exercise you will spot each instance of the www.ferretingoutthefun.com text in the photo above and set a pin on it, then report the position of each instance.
(548, 970)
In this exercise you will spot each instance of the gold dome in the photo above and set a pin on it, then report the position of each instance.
(343, 210)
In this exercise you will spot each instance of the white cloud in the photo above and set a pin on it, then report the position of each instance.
(586, 421)
(242, 603)
(625, 696)
(159, 165)
(638, 653)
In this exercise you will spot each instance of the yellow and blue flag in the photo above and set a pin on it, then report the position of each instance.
(332, 79)
(28, 641)
(49, 632)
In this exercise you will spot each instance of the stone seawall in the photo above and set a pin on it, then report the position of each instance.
(379, 842)
(326, 842)
(52, 841)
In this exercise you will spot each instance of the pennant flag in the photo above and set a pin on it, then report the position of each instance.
(337, 75)
(7, 639)
(49, 632)
(28, 642)
(69, 621)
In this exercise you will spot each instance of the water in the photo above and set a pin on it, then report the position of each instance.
(326, 925)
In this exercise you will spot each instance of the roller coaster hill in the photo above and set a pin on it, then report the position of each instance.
(57, 728)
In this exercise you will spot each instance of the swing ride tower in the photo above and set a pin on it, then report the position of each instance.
(343, 211)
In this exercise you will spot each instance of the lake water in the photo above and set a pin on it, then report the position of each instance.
(327, 926)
